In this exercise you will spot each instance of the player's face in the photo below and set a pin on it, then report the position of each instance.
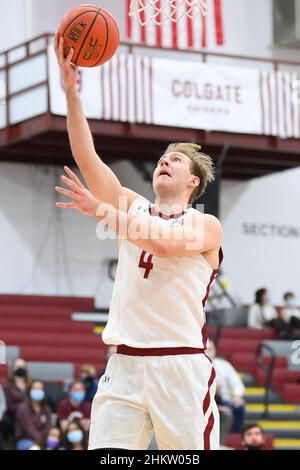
(172, 174)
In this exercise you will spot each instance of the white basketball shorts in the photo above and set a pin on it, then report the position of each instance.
(171, 396)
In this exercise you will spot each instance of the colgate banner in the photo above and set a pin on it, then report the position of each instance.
(167, 92)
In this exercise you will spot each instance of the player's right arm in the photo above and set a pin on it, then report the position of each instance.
(100, 179)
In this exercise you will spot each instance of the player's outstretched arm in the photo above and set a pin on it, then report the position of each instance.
(100, 179)
(202, 232)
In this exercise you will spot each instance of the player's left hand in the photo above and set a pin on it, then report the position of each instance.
(81, 198)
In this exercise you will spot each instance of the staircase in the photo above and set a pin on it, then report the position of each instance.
(283, 419)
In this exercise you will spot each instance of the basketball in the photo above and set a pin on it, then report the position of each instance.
(92, 32)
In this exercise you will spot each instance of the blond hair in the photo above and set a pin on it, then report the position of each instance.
(202, 165)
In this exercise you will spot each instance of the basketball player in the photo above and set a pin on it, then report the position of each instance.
(160, 379)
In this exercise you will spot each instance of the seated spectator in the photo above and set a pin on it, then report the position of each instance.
(290, 313)
(230, 388)
(51, 439)
(33, 416)
(262, 314)
(252, 437)
(74, 407)
(88, 378)
(261, 311)
(15, 393)
(226, 417)
(75, 436)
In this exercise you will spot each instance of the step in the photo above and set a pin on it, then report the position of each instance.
(286, 444)
(281, 428)
(257, 395)
(247, 379)
(275, 411)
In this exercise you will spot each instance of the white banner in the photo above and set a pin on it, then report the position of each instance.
(261, 225)
(210, 97)
(136, 89)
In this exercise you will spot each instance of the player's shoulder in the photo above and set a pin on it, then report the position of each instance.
(134, 198)
(207, 219)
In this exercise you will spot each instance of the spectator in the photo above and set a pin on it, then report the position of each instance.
(51, 439)
(226, 417)
(15, 393)
(74, 407)
(252, 437)
(33, 416)
(230, 388)
(261, 312)
(89, 380)
(75, 436)
(290, 313)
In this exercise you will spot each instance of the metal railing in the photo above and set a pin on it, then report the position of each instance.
(30, 49)
(268, 369)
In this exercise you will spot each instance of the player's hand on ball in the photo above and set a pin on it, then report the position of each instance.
(81, 198)
(69, 71)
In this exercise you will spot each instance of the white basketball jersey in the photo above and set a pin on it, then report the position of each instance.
(158, 302)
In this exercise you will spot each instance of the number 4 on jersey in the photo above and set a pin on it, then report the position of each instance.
(147, 265)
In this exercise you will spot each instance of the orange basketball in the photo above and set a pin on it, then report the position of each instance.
(92, 32)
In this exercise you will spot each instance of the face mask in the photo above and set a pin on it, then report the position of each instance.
(37, 395)
(257, 447)
(20, 372)
(77, 396)
(291, 303)
(268, 299)
(52, 442)
(75, 436)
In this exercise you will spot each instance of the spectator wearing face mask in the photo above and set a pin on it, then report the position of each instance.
(75, 436)
(51, 439)
(33, 416)
(252, 437)
(261, 312)
(89, 380)
(74, 407)
(15, 393)
(290, 312)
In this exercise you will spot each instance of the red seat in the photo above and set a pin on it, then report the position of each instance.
(45, 338)
(62, 354)
(248, 333)
(78, 303)
(243, 362)
(234, 441)
(228, 346)
(280, 377)
(291, 393)
(44, 324)
(3, 373)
